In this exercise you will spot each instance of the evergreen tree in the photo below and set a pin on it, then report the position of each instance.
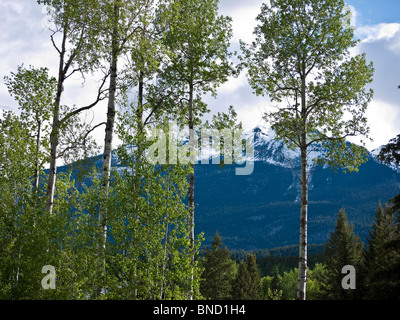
(239, 290)
(219, 271)
(343, 248)
(275, 289)
(255, 280)
(382, 257)
(247, 284)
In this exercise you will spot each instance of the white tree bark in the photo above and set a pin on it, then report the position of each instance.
(107, 157)
(302, 279)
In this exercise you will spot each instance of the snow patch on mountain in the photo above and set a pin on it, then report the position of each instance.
(268, 148)
(374, 155)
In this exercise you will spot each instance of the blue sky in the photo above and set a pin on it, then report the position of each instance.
(376, 11)
(23, 40)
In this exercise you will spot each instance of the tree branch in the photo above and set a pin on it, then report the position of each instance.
(158, 105)
(293, 169)
(99, 98)
(78, 140)
(54, 44)
(325, 137)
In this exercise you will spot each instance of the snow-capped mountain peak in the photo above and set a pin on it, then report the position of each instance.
(268, 148)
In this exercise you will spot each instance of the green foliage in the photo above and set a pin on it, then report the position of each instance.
(301, 60)
(149, 252)
(197, 40)
(37, 239)
(390, 152)
(313, 290)
(18, 237)
(225, 122)
(34, 91)
(149, 256)
(17, 148)
(81, 33)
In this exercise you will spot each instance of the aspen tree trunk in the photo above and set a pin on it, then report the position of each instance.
(137, 163)
(139, 115)
(55, 132)
(53, 167)
(302, 279)
(163, 284)
(107, 155)
(37, 164)
(301, 290)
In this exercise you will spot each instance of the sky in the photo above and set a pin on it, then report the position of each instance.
(24, 39)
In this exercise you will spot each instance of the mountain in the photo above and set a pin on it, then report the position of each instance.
(262, 210)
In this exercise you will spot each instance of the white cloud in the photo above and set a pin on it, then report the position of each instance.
(13, 6)
(233, 84)
(251, 114)
(383, 121)
(381, 43)
(244, 22)
(372, 33)
(23, 40)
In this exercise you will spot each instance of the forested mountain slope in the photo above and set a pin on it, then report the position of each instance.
(261, 210)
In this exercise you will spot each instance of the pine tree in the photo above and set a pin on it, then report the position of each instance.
(343, 248)
(247, 284)
(255, 280)
(275, 289)
(219, 271)
(239, 289)
(382, 257)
